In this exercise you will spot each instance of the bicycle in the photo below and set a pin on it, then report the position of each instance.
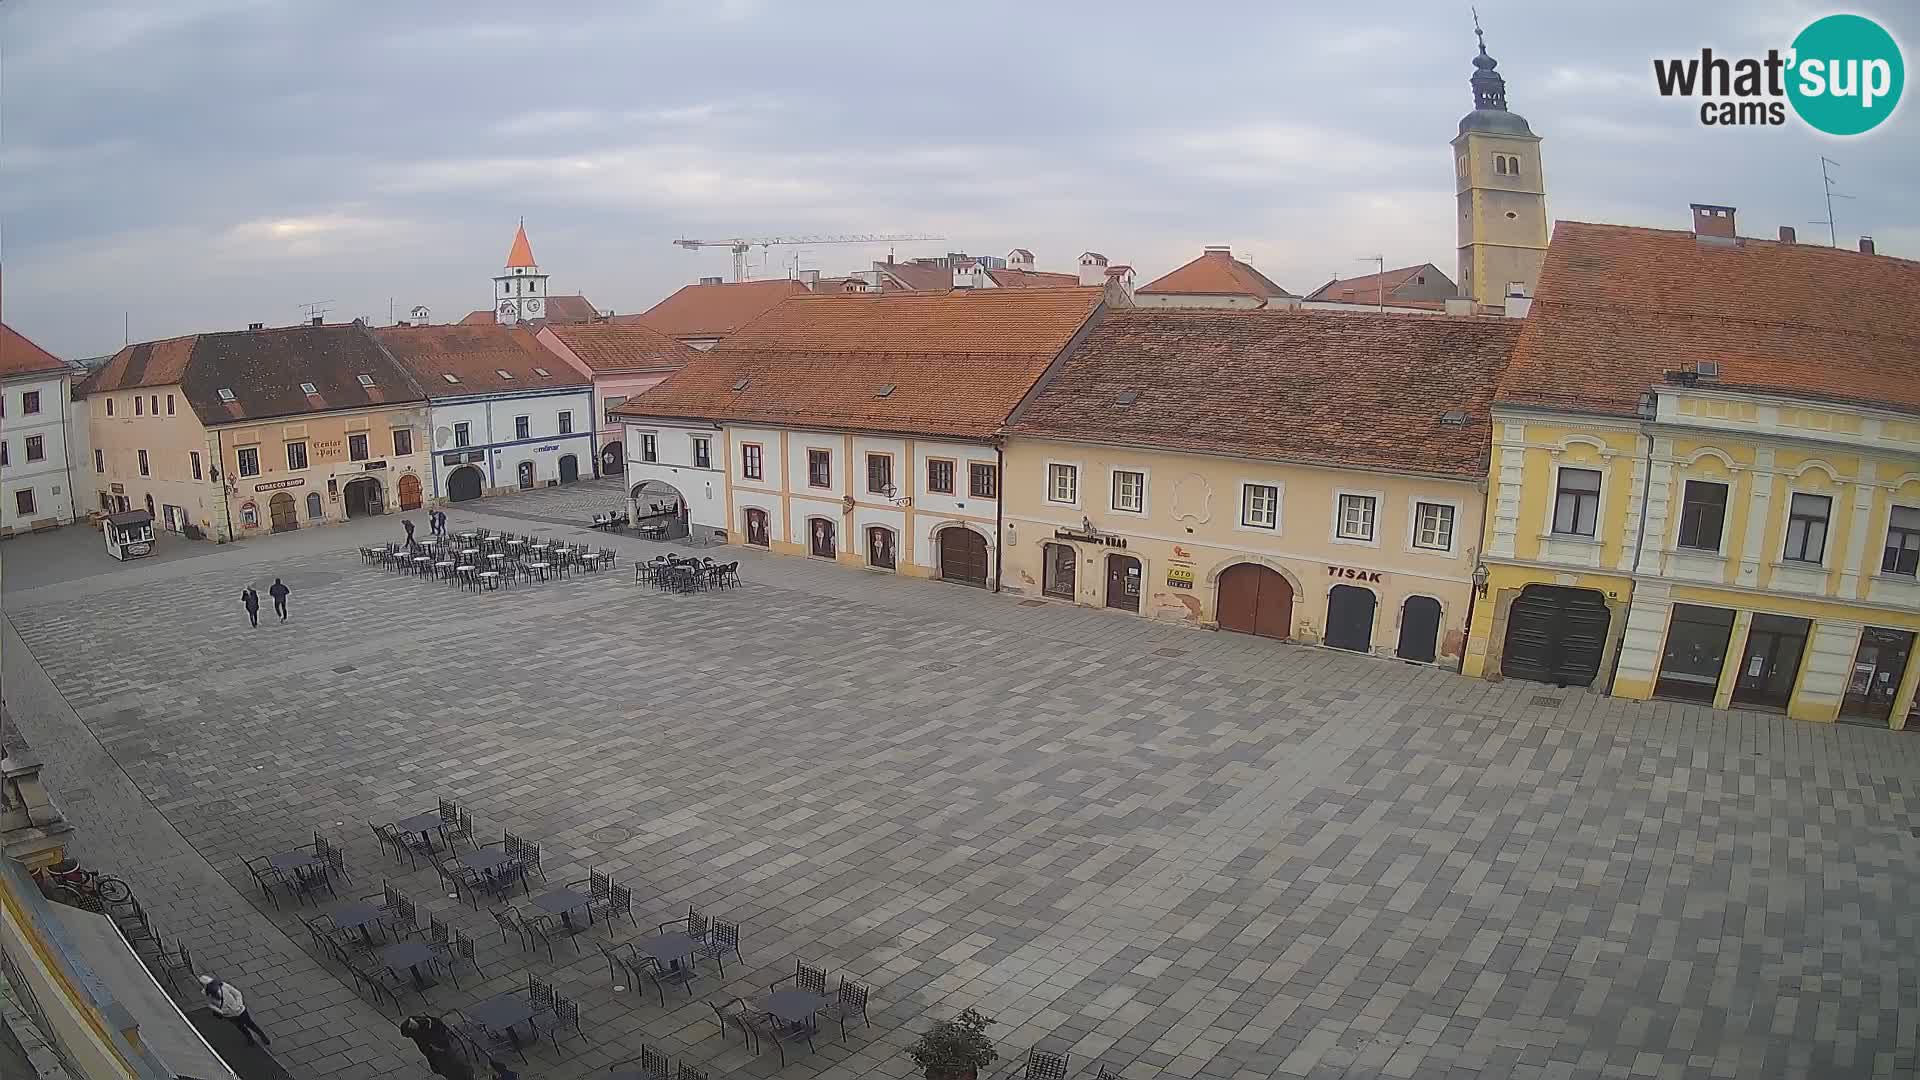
(88, 883)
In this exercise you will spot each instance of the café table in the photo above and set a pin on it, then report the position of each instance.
(290, 862)
(487, 860)
(564, 902)
(409, 955)
(502, 1012)
(794, 1006)
(425, 824)
(356, 916)
(670, 949)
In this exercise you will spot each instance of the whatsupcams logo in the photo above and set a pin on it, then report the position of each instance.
(1842, 75)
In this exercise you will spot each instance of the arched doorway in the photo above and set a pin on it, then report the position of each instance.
(1350, 618)
(1056, 579)
(1123, 582)
(820, 538)
(409, 492)
(963, 556)
(1254, 599)
(464, 483)
(758, 534)
(1419, 629)
(569, 468)
(659, 510)
(613, 459)
(880, 548)
(280, 510)
(315, 509)
(364, 497)
(1556, 634)
(525, 472)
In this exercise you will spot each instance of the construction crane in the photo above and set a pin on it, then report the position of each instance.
(740, 244)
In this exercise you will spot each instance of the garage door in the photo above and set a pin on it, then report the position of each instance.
(1556, 634)
(963, 556)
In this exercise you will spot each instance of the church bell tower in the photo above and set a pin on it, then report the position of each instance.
(520, 290)
(1501, 191)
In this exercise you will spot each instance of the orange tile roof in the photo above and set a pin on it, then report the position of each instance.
(714, 311)
(19, 356)
(958, 361)
(483, 317)
(1617, 307)
(476, 355)
(921, 277)
(1335, 388)
(608, 347)
(521, 254)
(1216, 273)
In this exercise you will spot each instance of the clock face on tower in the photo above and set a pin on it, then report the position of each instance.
(533, 307)
(506, 307)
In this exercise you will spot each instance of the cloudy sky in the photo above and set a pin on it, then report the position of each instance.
(203, 164)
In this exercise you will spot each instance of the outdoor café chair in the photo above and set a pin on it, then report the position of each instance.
(265, 876)
(851, 1001)
(804, 977)
(653, 1063)
(565, 1017)
(662, 976)
(1045, 1065)
(623, 967)
(729, 1013)
(723, 938)
(768, 1026)
(688, 1072)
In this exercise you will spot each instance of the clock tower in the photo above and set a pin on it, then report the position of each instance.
(520, 290)
(1502, 194)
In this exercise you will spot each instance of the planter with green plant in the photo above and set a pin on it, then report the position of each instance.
(955, 1049)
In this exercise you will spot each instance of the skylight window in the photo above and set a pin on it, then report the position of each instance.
(226, 394)
(740, 384)
(1128, 397)
(309, 388)
(451, 378)
(543, 373)
(366, 380)
(1454, 418)
(884, 391)
(503, 373)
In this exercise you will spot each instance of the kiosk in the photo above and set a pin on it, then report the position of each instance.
(129, 534)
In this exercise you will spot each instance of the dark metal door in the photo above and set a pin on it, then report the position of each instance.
(1419, 629)
(1255, 599)
(1771, 662)
(880, 548)
(1555, 634)
(1350, 618)
(569, 468)
(1123, 582)
(526, 474)
(757, 527)
(464, 484)
(1877, 670)
(963, 556)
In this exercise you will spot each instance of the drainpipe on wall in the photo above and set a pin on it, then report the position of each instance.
(999, 508)
(66, 451)
(1639, 543)
(1473, 594)
(220, 459)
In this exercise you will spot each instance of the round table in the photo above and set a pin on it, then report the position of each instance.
(794, 1006)
(541, 567)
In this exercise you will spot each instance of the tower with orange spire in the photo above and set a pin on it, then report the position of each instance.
(520, 290)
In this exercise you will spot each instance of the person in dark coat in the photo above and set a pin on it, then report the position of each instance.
(501, 1072)
(251, 601)
(279, 593)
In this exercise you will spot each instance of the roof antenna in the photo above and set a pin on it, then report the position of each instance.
(1833, 237)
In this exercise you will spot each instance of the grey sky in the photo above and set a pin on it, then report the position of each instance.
(202, 164)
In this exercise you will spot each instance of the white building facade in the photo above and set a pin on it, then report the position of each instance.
(36, 441)
(492, 443)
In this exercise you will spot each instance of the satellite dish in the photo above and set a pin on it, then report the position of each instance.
(442, 436)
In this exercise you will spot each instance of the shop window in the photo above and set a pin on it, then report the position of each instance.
(1697, 639)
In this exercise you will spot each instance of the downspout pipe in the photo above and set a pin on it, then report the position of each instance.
(1473, 591)
(1639, 543)
(999, 510)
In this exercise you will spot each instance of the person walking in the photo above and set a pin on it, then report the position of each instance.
(251, 601)
(225, 1000)
(435, 1041)
(408, 523)
(279, 593)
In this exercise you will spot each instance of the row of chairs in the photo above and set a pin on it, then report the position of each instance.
(554, 1016)
(756, 1025)
(654, 1064)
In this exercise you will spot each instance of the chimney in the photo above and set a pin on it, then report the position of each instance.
(319, 320)
(1866, 245)
(1120, 283)
(256, 326)
(1217, 249)
(710, 281)
(1787, 235)
(1713, 221)
(1093, 268)
(1459, 305)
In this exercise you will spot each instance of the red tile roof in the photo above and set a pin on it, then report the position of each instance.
(521, 254)
(714, 311)
(1031, 279)
(1368, 289)
(476, 355)
(264, 370)
(19, 356)
(1216, 273)
(483, 317)
(561, 311)
(958, 362)
(609, 347)
(921, 277)
(1617, 307)
(1334, 388)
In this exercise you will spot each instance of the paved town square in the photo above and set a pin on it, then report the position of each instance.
(1169, 852)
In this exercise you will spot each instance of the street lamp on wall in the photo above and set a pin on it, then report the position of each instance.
(1480, 576)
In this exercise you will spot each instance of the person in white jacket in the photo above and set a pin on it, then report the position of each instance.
(225, 1000)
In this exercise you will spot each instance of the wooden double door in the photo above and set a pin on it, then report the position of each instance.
(963, 556)
(1255, 599)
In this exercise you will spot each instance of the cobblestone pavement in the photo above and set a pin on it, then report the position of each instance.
(1172, 852)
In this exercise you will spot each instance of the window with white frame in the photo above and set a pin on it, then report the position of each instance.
(1807, 518)
(702, 452)
(249, 460)
(463, 434)
(1063, 483)
(1129, 491)
(1260, 506)
(649, 447)
(1902, 555)
(1433, 526)
(1356, 517)
(1576, 503)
